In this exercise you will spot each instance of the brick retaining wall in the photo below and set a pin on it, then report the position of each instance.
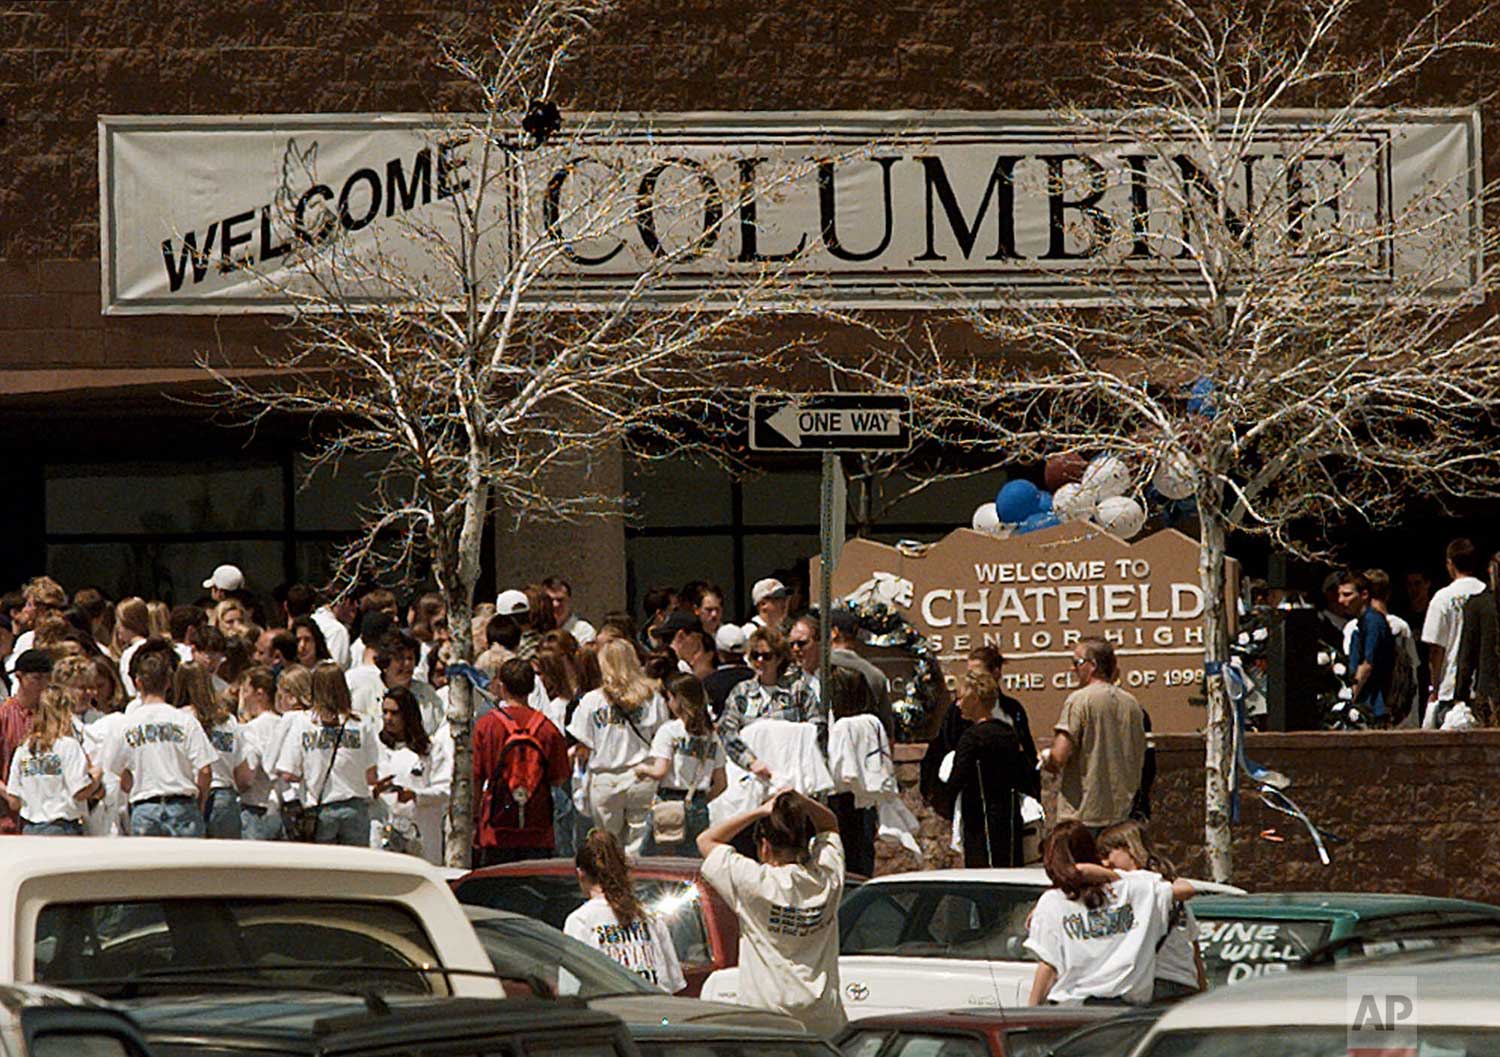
(1417, 807)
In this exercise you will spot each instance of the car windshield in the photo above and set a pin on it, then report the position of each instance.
(1424, 1041)
(970, 920)
(521, 949)
(552, 898)
(1039, 1042)
(286, 942)
(1236, 949)
(1108, 1039)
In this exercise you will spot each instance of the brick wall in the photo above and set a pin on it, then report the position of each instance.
(1419, 810)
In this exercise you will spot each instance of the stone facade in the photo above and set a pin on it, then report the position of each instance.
(1417, 809)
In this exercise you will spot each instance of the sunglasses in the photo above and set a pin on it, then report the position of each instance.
(1077, 661)
(761, 656)
(797, 644)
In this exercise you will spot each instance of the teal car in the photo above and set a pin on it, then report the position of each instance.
(1243, 937)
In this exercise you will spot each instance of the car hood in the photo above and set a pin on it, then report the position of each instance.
(669, 1009)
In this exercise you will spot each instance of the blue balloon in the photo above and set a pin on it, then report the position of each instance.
(1201, 398)
(1043, 501)
(1038, 521)
(1016, 501)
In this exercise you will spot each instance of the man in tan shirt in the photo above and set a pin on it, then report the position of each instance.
(1099, 742)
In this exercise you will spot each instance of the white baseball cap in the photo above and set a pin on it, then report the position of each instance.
(511, 602)
(730, 638)
(226, 578)
(767, 588)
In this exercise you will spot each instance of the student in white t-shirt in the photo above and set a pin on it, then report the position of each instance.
(1095, 935)
(164, 759)
(614, 726)
(614, 921)
(193, 692)
(787, 906)
(49, 777)
(261, 731)
(333, 753)
(1179, 964)
(686, 763)
(1443, 626)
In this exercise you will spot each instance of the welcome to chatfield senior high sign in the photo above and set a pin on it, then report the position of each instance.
(906, 210)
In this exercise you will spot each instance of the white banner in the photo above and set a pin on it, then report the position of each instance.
(893, 210)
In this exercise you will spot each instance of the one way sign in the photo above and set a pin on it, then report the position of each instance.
(830, 422)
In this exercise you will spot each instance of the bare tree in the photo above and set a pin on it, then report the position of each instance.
(1264, 327)
(466, 378)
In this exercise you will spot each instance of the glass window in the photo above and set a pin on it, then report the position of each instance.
(939, 1046)
(782, 498)
(670, 561)
(863, 1044)
(80, 1044)
(312, 943)
(1320, 1041)
(1236, 949)
(521, 949)
(552, 899)
(1117, 1036)
(171, 571)
(967, 921)
(731, 1047)
(164, 498)
(678, 493)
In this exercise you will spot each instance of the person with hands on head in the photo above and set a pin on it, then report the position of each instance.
(787, 905)
(1095, 935)
(1179, 963)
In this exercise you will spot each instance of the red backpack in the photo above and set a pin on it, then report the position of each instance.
(519, 787)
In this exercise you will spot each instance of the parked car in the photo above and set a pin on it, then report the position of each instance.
(704, 929)
(270, 1023)
(934, 939)
(1113, 1036)
(88, 911)
(1258, 935)
(534, 958)
(1449, 1008)
(698, 1040)
(38, 1021)
(1022, 1032)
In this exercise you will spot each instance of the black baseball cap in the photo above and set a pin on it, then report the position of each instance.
(678, 621)
(39, 661)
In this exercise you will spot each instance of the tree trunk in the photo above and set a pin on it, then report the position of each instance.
(1218, 758)
(457, 578)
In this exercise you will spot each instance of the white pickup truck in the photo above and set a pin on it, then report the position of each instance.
(79, 909)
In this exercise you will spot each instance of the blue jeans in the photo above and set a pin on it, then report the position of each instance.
(259, 824)
(562, 820)
(222, 820)
(63, 827)
(175, 818)
(697, 822)
(344, 822)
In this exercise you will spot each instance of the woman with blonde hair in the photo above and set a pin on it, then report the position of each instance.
(613, 920)
(334, 754)
(1179, 965)
(132, 627)
(110, 694)
(159, 615)
(987, 778)
(613, 726)
(193, 692)
(49, 777)
(229, 617)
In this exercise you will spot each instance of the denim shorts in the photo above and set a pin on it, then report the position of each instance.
(62, 827)
(256, 823)
(178, 817)
(344, 822)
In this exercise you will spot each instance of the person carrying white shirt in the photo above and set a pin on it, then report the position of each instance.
(333, 753)
(50, 778)
(614, 922)
(414, 779)
(164, 760)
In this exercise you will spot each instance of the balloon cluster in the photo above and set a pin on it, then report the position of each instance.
(1078, 489)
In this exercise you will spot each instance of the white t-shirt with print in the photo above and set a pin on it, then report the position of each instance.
(261, 740)
(789, 930)
(612, 743)
(307, 749)
(644, 947)
(108, 818)
(229, 747)
(162, 749)
(1444, 625)
(1108, 952)
(692, 759)
(48, 782)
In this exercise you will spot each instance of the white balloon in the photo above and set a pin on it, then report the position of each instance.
(1106, 476)
(1176, 477)
(1120, 515)
(1073, 502)
(985, 519)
